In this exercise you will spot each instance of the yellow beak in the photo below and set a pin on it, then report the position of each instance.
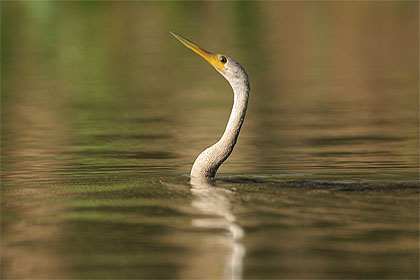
(211, 58)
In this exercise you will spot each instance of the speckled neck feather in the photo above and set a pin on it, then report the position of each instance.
(207, 163)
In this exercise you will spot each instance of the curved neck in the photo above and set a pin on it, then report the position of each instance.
(208, 161)
(236, 119)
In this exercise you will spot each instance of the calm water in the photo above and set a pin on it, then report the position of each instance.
(103, 114)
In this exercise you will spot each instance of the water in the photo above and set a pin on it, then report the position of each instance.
(103, 114)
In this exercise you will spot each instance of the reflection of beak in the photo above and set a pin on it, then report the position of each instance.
(208, 56)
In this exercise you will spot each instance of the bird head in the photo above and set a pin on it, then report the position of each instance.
(225, 65)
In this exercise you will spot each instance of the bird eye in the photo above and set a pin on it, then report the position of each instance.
(222, 59)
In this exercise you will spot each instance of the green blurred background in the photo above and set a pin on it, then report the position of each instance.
(326, 78)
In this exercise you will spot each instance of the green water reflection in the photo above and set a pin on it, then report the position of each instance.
(103, 114)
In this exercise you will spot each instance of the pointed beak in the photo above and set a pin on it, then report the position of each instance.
(211, 58)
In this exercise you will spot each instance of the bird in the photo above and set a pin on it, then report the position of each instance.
(209, 161)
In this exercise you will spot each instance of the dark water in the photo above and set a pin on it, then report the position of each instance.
(103, 114)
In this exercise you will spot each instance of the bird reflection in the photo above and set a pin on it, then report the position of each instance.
(216, 202)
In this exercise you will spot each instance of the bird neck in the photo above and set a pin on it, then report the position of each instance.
(209, 160)
(236, 119)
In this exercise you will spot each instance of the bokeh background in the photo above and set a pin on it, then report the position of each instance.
(100, 105)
